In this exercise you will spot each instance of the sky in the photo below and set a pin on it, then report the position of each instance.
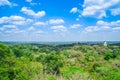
(59, 20)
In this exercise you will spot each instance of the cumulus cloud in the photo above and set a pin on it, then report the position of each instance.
(56, 21)
(40, 23)
(92, 28)
(108, 24)
(4, 2)
(59, 28)
(5, 19)
(75, 26)
(16, 20)
(7, 2)
(115, 11)
(32, 3)
(31, 28)
(8, 27)
(102, 25)
(98, 8)
(74, 10)
(115, 23)
(49, 22)
(11, 29)
(15, 31)
(30, 12)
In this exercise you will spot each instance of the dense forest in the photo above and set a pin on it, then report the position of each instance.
(59, 62)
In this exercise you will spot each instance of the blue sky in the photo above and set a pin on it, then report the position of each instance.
(59, 20)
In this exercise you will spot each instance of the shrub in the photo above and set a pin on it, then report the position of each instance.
(51, 78)
(52, 62)
(67, 72)
(19, 69)
(5, 51)
(108, 55)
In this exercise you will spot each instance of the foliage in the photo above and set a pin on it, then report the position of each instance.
(51, 78)
(5, 51)
(19, 69)
(59, 62)
(52, 62)
(108, 56)
(67, 72)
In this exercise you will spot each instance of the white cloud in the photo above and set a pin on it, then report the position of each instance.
(51, 22)
(40, 23)
(4, 20)
(74, 10)
(115, 23)
(10, 19)
(32, 3)
(102, 25)
(115, 11)
(92, 28)
(31, 28)
(98, 8)
(30, 12)
(8, 27)
(11, 29)
(75, 26)
(59, 28)
(56, 21)
(16, 20)
(15, 31)
(7, 2)
(27, 21)
(94, 11)
(109, 24)
(116, 28)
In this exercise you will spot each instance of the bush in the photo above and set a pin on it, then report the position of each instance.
(67, 72)
(108, 55)
(51, 78)
(52, 62)
(5, 51)
(19, 69)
